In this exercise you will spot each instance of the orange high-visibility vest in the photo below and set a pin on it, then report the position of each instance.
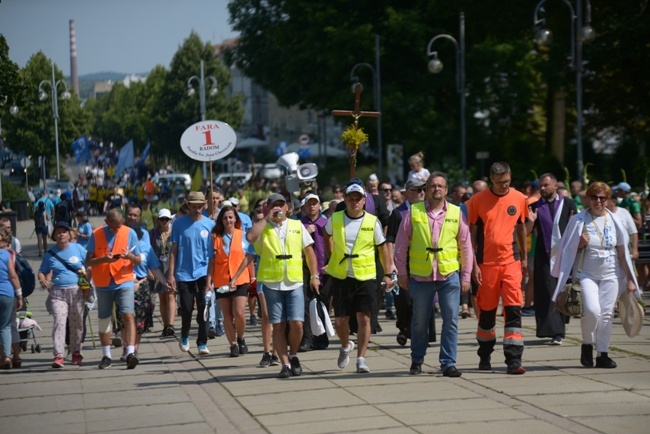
(121, 270)
(225, 266)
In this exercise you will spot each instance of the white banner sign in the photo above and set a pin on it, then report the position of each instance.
(208, 140)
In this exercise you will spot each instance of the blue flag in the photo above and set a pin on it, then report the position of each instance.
(81, 149)
(126, 159)
(145, 154)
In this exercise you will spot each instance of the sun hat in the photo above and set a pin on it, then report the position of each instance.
(631, 313)
(196, 197)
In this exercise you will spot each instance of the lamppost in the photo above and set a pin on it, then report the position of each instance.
(376, 92)
(201, 80)
(435, 66)
(42, 95)
(213, 91)
(581, 31)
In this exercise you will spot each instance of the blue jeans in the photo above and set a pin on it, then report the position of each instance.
(449, 297)
(6, 308)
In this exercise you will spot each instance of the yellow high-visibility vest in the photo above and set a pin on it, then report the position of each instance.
(422, 252)
(273, 257)
(363, 250)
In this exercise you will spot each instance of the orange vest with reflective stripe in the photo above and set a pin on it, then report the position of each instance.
(225, 266)
(121, 270)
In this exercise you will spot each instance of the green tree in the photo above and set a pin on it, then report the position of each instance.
(12, 90)
(33, 128)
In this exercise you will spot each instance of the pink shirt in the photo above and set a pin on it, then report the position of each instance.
(403, 241)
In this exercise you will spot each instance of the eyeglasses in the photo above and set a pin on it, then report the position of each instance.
(502, 182)
(598, 198)
(437, 187)
(417, 190)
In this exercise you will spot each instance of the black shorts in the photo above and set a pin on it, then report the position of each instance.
(241, 291)
(474, 287)
(351, 296)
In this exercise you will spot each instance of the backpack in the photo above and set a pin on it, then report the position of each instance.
(39, 219)
(25, 274)
(62, 213)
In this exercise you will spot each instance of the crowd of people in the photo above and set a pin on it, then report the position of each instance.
(361, 247)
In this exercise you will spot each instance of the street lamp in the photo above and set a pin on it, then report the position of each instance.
(435, 66)
(201, 80)
(581, 32)
(42, 95)
(13, 110)
(376, 93)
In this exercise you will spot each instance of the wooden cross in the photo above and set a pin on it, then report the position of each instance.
(356, 114)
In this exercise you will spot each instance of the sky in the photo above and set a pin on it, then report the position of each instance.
(126, 36)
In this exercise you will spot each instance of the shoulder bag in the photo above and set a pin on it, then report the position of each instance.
(569, 300)
(82, 281)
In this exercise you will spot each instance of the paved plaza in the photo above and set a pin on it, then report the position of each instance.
(175, 392)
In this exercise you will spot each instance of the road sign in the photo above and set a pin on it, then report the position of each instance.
(26, 162)
(304, 139)
(208, 140)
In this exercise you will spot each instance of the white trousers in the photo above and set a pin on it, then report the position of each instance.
(599, 298)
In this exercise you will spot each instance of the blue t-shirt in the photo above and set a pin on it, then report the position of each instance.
(246, 222)
(194, 247)
(110, 239)
(74, 255)
(6, 288)
(49, 206)
(84, 229)
(247, 247)
(149, 259)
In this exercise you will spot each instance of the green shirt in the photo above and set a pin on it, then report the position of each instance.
(631, 205)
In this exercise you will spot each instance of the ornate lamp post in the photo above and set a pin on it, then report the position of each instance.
(581, 31)
(42, 95)
(435, 66)
(201, 81)
(376, 92)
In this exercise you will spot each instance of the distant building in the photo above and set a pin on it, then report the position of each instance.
(102, 87)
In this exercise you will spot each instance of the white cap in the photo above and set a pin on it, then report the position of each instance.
(164, 213)
(355, 188)
(234, 201)
(306, 199)
(226, 203)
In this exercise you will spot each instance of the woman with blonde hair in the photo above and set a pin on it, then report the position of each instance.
(594, 248)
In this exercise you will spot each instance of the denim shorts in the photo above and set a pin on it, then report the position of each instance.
(285, 305)
(122, 297)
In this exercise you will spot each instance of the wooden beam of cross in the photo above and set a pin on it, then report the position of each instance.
(356, 114)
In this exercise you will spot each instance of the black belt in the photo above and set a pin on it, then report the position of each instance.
(346, 256)
(434, 250)
(283, 256)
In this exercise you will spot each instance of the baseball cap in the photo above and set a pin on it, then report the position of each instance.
(414, 182)
(355, 188)
(234, 201)
(275, 197)
(308, 197)
(226, 203)
(195, 197)
(623, 186)
(62, 224)
(164, 213)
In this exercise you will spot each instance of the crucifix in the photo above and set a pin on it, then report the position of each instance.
(356, 114)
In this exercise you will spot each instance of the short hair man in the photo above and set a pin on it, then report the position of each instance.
(497, 217)
(112, 253)
(623, 190)
(350, 237)
(279, 242)
(433, 254)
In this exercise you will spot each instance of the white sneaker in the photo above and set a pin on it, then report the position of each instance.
(344, 355)
(203, 349)
(185, 344)
(362, 368)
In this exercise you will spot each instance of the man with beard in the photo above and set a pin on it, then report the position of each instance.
(548, 217)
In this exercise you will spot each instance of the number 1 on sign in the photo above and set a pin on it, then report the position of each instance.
(208, 138)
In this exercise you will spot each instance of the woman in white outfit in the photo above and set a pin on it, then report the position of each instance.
(605, 272)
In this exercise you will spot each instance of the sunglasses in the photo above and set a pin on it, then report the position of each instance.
(418, 189)
(164, 219)
(386, 190)
(598, 198)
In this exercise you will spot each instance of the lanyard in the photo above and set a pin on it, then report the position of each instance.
(602, 238)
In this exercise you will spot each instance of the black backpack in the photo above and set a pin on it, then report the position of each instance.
(39, 219)
(25, 274)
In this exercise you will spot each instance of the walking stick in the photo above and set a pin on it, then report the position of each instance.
(90, 326)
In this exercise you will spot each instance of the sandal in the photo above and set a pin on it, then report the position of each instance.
(17, 362)
(6, 363)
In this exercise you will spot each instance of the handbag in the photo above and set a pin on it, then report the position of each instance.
(82, 280)
(569, 300)
(319, 318)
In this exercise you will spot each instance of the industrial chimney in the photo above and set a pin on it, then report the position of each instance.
(74, 77)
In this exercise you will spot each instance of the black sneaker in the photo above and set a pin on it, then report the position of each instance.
(285, 372)
(275, 361)
(132, 361)
(416, 368)
(266, 360)
(243, 349)
(164, 332)
(296, 369)
(603, 361)
(105, 363)
(170, 331)
(234, 350)
(484, 364)
(452, 372)
(587, 355)
(212, 333)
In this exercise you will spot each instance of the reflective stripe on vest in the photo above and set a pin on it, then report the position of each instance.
(422, 253)
(273, 257)
(363, 250)
(226, 265)
(121, 270)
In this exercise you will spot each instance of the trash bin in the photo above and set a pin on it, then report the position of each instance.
(22, 211)
(11, 215)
